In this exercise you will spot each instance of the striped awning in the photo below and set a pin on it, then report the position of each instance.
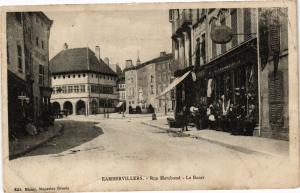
(173, 84)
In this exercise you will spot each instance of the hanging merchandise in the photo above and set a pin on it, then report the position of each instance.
(210, 87)
(194, 76)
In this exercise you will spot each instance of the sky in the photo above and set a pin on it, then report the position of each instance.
(120, 34)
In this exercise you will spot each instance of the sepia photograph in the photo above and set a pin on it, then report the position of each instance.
(178, 96)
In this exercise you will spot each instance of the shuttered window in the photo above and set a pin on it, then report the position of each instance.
(213, 45)
(247, 23)
(20, 66)
(274, 38)
(234, 27)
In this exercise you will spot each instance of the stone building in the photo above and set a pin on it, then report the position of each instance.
(28, 64)
(121, 90)
(82, 83)
(145, 81)
(230, 69)
(273, 30)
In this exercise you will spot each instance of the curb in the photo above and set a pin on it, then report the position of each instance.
(226, 145)
(19, 154)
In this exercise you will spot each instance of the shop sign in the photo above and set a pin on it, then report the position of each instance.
(221, 34)
(226, 67)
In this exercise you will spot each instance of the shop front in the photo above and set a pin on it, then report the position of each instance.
(231, 81)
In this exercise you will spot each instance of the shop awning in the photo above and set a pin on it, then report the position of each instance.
(174, 83)
(119, 104)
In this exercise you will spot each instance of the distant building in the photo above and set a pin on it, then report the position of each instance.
(121, 90)
(29, 86)
(144, 82)
(130, 84)
(82, 83)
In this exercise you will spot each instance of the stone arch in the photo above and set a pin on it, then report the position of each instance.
(56, 107)
(80, 107)
(68, 107)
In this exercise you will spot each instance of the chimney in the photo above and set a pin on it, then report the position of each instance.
(66, 46)
(97, 52)
(162, 53)
(128, 63)
(106, 60)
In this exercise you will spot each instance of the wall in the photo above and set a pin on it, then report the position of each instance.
(15, 38)
(131, 88)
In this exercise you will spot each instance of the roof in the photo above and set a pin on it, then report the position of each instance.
(155, 60)
(78, 60)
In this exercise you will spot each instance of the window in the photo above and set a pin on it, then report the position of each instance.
(69, 76)
(76, 89)
(20, 66)
(73, 75)
(64, 76)
(63, 89)
(54, 77)
(18, 17)
(58, 76)
(37, 41)
(203, 51)
(152, 89)
(82, 88)
(70, 89)
(78, 75)
(234, 27)
(41, 74)
(213, 45)
(247, 23)
(83, 75)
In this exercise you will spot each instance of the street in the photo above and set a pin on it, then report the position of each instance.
(118, 147)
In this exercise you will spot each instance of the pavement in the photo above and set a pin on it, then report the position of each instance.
(28, 143)
(240, 143)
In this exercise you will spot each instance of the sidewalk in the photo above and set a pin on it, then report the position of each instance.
(24, 145)
(98, 117)
(245, 144)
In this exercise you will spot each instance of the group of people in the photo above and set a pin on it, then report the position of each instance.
(222, 115)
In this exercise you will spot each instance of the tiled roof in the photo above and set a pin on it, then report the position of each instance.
(155, 60)
(78, 60)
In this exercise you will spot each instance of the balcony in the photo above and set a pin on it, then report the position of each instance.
(182, 23)
(185, 18)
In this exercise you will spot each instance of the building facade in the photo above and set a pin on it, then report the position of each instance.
(121, 90)
(273, 30)
(230, 70)
(145, 81)
(29, 87)
(82, 83)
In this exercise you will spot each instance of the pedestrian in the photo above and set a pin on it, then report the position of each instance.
(195, 115)
(250, 121)
(184, 119)
(211, 117)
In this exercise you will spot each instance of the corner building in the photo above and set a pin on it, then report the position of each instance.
(82, 83)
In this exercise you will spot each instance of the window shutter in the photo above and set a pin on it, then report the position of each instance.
(274, 38)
